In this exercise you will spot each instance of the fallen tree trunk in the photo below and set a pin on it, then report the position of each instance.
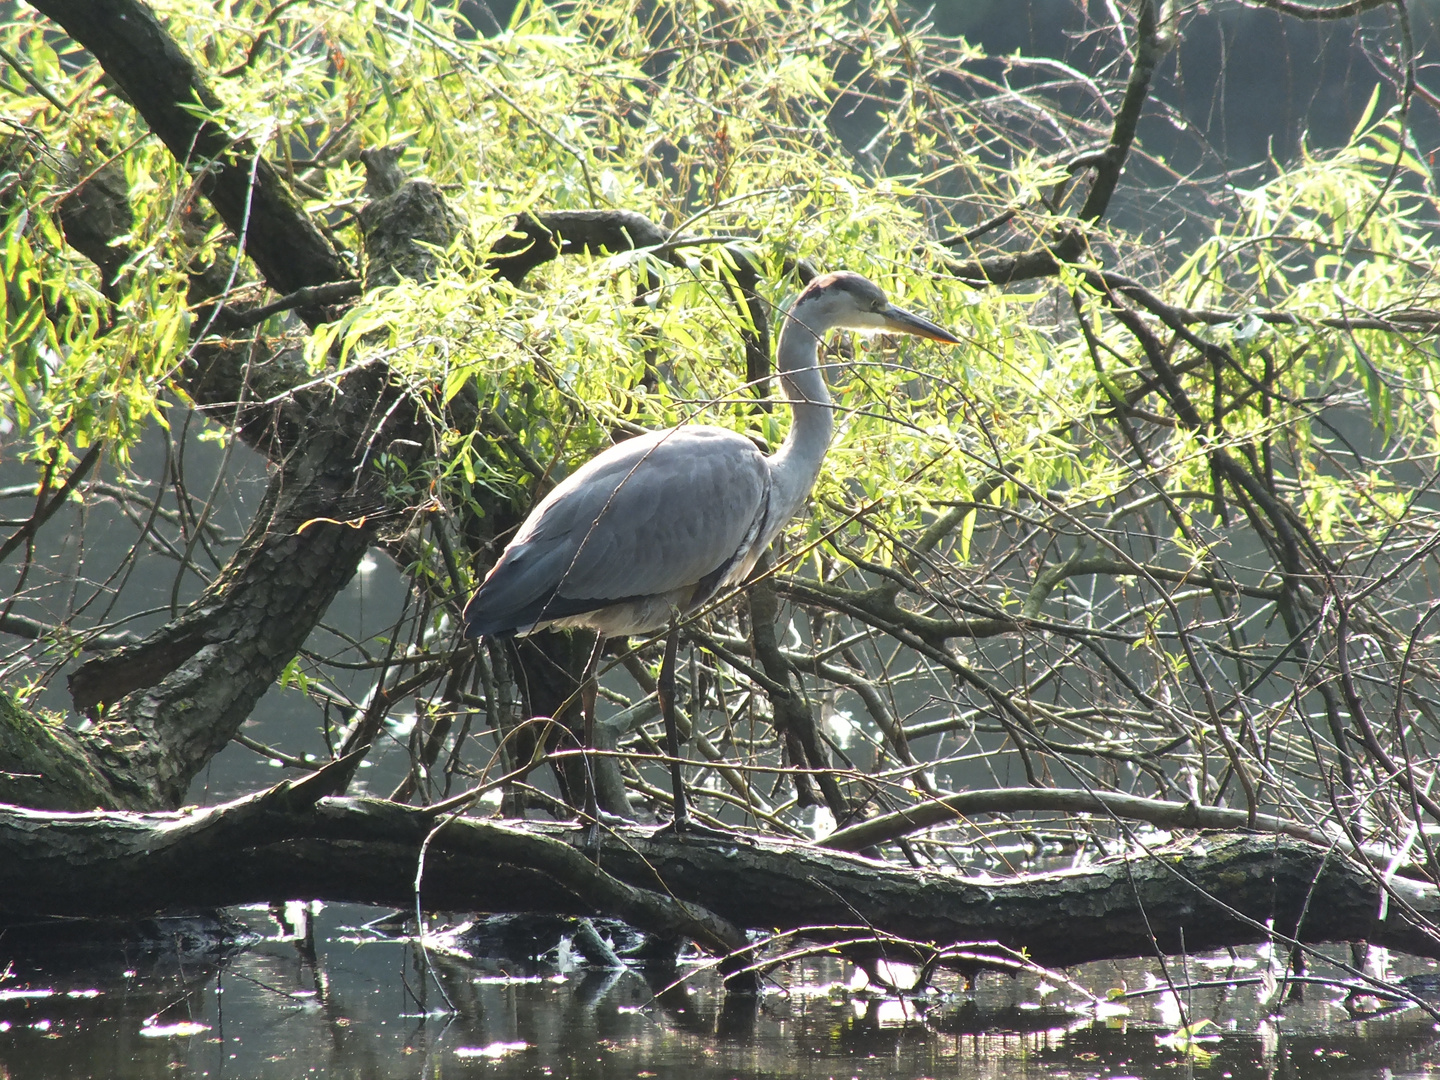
(297, 842)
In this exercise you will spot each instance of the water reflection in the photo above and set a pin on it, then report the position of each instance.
(328, 996)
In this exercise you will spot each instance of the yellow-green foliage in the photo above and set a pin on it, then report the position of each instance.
(719, 126)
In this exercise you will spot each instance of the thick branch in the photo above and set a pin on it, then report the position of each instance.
(1320, 11)
(187, 855)
(185, 690)
(92, 216)
(1207, 895)
(1159, 812)
(535, 239)
(49, 766)
(164, 86)
(173, 700)
(1151, 43)
(1044, 261)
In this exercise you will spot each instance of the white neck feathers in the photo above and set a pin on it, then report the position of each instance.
(796, 464)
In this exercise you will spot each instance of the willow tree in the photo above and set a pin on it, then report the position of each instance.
(1155, 549)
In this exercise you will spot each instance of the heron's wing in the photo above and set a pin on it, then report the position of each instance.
(654, 514)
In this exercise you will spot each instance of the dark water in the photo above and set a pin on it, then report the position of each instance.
(339, 1001)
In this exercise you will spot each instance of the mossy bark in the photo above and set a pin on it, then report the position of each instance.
(294, 842)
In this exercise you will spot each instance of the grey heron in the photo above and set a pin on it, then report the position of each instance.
(652, 528)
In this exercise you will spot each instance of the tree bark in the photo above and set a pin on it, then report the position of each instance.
(295, 842)
(163, 85)
(180, 695)
(169, 703)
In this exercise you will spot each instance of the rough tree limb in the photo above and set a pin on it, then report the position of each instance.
(183, 692)
(170, 702)
(1105, 804)
(287, 843)
(163, 84)
(1152, 40)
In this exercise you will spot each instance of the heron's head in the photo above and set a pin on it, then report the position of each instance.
(847, 301)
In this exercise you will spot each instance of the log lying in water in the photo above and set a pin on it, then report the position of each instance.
(296, 842)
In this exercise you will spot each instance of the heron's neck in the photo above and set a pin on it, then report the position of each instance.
(797, 462)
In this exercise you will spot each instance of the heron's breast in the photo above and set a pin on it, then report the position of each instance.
(639, 615)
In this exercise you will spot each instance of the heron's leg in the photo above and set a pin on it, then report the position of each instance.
(589, 687)
(665, 691)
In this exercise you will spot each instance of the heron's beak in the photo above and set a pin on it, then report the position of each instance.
(904, 322)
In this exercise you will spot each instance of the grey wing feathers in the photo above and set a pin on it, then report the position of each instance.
(654, 514)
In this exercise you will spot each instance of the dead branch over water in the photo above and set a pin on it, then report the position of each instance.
(1196, 894)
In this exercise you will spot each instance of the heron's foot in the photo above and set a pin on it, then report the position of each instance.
(592, 826)
(614, 821)
(589, 837)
